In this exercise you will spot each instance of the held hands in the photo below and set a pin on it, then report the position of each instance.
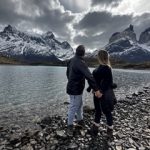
(98, 94)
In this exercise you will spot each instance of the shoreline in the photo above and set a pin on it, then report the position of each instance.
(131, 130)
(124, 68)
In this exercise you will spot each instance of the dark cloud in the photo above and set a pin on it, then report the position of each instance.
(54, 20)
(8, 14)
(141, 23)
(94, 23)
(113, 3)
(91, 42)
(29, 14)
(72, 6)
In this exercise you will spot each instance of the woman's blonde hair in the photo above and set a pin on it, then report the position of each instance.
(103, 57)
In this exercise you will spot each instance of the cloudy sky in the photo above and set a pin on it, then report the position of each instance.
(88, 22)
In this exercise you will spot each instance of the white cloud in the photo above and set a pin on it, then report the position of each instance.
(136, 7)
(76, 6)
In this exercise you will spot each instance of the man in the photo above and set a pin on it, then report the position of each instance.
(77, 72)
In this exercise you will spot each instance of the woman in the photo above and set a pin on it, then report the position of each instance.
(105, 104)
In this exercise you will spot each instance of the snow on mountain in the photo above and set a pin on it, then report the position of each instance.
(145, 47)
(19, 44)
(124, 46)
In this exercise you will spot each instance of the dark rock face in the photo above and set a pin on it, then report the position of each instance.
(65, 44)
(115, 37)
(137, 55)
(145, 37)
(49, 35)
(119, 46)
(130, 29)
(126, 34)
(9, 29)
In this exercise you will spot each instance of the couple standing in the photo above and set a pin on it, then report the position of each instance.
(100, 81)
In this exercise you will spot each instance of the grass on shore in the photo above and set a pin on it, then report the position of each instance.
(92, 62)
(8, 60)
(121, 64)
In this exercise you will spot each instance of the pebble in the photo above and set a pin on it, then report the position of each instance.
(118, 147)
(72, 146)
(61, 134)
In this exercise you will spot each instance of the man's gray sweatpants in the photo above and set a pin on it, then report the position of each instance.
(75, 107)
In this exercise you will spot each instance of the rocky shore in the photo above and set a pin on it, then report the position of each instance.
(131, 130)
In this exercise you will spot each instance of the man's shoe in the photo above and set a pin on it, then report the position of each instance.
(110, 131)
(70, 130)
(80, 124)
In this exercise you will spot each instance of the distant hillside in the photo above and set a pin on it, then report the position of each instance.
(143, 65)
(91, 63)
(116, 63)
(7, 60)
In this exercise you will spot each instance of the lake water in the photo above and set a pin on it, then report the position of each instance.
(30, 92)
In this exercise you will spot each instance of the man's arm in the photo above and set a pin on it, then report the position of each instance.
(67, 71)
(89, 77)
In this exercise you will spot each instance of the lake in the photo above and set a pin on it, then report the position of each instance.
(30, 92)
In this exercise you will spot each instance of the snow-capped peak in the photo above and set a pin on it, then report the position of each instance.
(48, 35)
(15, 43)
(125, 47)
(128, 34)
(10, 29)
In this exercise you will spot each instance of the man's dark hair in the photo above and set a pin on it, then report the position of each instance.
(80, 51)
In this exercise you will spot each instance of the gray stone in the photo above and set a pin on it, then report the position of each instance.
(48, 137)
(73, 146)
(33, 142)
(119, 147)
(82, 132)
(61, 134)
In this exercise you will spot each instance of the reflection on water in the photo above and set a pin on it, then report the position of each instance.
(30, 91)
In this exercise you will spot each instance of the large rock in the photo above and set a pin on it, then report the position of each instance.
(145, 37)
(126, 34)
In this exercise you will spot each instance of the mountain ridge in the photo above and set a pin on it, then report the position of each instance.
(124, 46)
(46, 49)
(33, 48)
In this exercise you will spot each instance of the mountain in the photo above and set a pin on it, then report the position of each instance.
(145, 37)
(33, 47)
(127, 33)
(124, 46)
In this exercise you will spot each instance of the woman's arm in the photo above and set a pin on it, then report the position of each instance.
(89, 87)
